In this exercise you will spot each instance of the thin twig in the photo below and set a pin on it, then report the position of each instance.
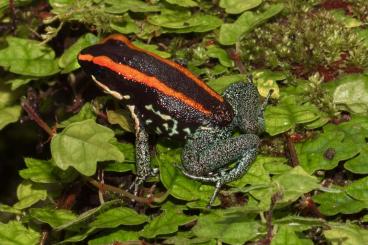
(35, 117)
(106, 187)
(291, 147)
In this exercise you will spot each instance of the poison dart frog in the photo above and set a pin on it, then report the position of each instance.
(166, 99)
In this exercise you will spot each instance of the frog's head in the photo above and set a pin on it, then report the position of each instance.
(245, 101)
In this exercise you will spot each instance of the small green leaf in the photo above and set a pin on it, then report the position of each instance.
(286, 235)
(267, 80)
(8, 209)
(183, 3)
(220, 54)
(231, 226)
(166, 223)
(300, 223)
(238, 6)
(9, 115)
(221, 83)
(119, 7)
(152, 48)
(287, 114)
(126, 27)
(115, 237)
(122, 118)
(333, 203)
(358, 164)
(68, 61)
(51, 216)
(326, 151)
(78, 237)
(294, 184)
(118, 216)
(352, 94)
(346, 234)
(183, 22)
(129, 160)
(358, 189)
(28, 57)
(82, 144)
(14, 233)
(19, 81)
(232, 33)
(29, 194)
(39, 171)
(86, 112)
(84, 217)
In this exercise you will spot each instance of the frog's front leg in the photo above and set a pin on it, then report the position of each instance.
(206, 160)
(142, 153)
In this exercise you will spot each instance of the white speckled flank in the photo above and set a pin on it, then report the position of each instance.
(172, 131)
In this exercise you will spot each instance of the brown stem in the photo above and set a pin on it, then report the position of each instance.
(291, 148)
(106, 187)
(35, 117)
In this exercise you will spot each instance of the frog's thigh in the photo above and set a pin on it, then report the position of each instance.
(221, 153)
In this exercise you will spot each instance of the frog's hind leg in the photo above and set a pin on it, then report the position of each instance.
(210, 162)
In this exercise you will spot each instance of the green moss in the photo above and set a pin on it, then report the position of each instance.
(303, 42)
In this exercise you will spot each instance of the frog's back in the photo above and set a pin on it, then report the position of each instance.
(169, 98)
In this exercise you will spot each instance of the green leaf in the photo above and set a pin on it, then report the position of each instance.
(86, 112)
(176, 183)
(126, 26)
(231, 226)
(68, 61)
(351, 94)
(119, 7)
(166, 223)
(183, 3)
(183, 22)
(286, 235)
(294, 184)
(19, 81)
(84, 217)
(78, 237)
(220, 54)
(28, 57)
(238, 6)
(82, 144)
(267, 80)
(122, 118)
(152, 48)
(115, 237)
(232, 33)
(129, 160)
(299, 223)
(220, 84)
(326, 151)
(118, 216)
(14, 233)
(8, 209)
(39, 171)
(287, 114)
(9, 115)
(347, 234)
(358, 189)
(53, 217)
(29, 194)
(358, 164)
(334, 203)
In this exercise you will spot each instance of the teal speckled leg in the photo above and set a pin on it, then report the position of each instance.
(205, 160)
(143, 164)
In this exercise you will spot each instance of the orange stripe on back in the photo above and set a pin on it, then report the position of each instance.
(182, 69)
(132, 74)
